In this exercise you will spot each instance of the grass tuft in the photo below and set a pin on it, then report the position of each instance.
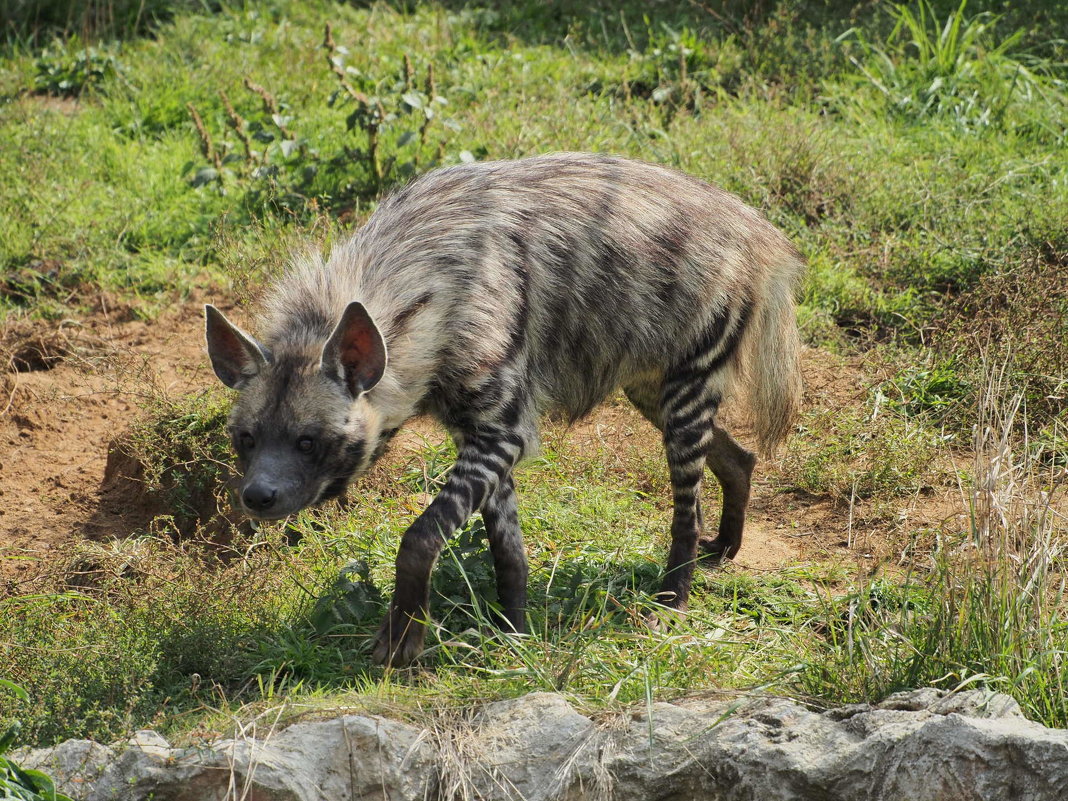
(861, 453)
(959, 66)
(990, 610)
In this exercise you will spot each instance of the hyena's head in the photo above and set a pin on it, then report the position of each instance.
(302, 426)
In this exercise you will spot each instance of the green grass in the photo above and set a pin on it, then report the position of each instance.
(861, 453)
(990, 608)
(914, 153)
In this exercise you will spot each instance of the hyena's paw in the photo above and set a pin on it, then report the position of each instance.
(400, 639)
(716, 550)
(664, 618)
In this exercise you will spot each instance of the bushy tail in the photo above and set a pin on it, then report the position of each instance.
(771, 354)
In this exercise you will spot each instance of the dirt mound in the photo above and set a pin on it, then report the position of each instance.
(70, 388)
(28, 346)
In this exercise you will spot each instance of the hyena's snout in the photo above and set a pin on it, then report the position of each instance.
(273, 489)
(259, 497)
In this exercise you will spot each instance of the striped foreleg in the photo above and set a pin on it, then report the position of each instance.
(485, 459)
(501, 515)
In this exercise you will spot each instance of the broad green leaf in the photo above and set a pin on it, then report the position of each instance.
(205, 175)
(10, 685)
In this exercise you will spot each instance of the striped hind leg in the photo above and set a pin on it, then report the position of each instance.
(688, 406)
(646, 399)
(733, 467)
(684, 410)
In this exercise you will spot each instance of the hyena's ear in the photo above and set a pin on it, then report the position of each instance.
(355, 354)
(235, 356)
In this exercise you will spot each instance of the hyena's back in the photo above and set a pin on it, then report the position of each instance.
(560, 279)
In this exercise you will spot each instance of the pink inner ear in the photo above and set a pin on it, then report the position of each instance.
(358, 354)
(359, 345)
(233, 348)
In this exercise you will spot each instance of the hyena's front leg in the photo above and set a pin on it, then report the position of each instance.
(484, 460)
(501, 514)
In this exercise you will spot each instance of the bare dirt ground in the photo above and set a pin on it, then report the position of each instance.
(72, 386)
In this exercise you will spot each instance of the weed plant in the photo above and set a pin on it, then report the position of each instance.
(73, 70)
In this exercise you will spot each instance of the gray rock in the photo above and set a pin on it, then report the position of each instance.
(353, 757)
(527, 749)
(77, 765)
(921, 746)
(148, 741)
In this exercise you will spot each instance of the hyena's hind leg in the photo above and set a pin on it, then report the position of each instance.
(687, 408)
(646, 399)
(731, 464)
(733, 467)
(501, 516)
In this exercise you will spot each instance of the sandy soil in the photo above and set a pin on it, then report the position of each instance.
(71, 387)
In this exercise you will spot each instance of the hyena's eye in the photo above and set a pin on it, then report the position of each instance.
(305, 444)
(246, 441)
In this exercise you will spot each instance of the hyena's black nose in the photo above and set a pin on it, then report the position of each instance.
(259, 497)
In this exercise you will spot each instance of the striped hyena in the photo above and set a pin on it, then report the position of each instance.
(487, 294)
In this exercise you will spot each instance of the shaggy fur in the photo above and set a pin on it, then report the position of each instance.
(489, 294)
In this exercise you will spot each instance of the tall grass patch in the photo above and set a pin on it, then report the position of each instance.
(34, 22)
(960, 66)
(990, 606)
(121, 633)
(1019, 314)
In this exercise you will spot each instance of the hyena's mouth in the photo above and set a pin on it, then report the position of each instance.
(266, 510)
(265, 517)
(326, 492)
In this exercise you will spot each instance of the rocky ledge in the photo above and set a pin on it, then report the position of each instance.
(917, 746)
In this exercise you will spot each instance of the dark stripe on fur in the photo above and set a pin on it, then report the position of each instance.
(399, 323)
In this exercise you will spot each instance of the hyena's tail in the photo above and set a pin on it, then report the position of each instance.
(771, 353)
